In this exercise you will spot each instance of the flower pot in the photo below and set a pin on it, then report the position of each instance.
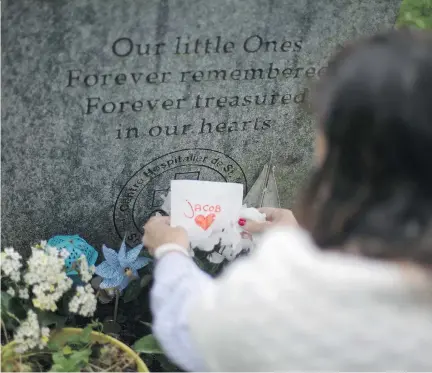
(62, 336)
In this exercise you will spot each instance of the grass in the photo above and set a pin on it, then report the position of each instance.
(415, 13)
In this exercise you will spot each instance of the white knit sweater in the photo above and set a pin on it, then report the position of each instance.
(291, 307)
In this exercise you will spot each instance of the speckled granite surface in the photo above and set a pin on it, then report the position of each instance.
(105, 101)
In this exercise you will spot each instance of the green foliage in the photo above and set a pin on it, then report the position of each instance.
(415, 13)
(71, 361)
(135, 287)
(148, 345)
(75, 355)
(132, 292)
(51, 319)
(12, 310)
(64, 353)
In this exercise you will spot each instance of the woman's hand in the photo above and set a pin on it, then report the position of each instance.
(274, 218)
(158, 232)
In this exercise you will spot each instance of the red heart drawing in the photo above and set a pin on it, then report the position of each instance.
(205, 221)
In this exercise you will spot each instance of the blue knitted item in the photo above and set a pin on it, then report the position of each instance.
(76, 247)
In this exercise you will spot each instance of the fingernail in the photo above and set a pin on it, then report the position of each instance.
(242, 222)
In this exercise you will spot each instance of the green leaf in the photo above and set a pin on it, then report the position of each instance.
(58, 358)
(5, 309)
(7, 353)
(132, 291)
(54, 345)
(145, 280)
(65, 366)
(57, 368)
(80, 357)
(18, 308)
(199, 263)
(74, 339)
(5, 301)
(51, 319)
(420, 23)
(67, 350)
(73, 363)
(148, 345)
(12, 310)
(85, 335)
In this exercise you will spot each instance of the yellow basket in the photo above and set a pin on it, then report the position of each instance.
(62, 336)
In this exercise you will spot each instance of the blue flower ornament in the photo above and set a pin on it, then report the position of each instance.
(120, 268)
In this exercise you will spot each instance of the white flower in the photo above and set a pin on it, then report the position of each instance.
(11, 292)
(29, 335)
(46, 274)
(52, 251)
(11, 264)
(84, 270)
(64, 253)
(45, 332)
(23, 293)
(40, 246)
(84, 302)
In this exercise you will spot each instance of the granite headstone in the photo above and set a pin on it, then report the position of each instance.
(105, 101)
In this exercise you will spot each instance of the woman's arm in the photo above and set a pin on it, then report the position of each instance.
(177, 281)
(288, 306)
(181, 289)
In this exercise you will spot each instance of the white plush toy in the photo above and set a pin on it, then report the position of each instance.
(225, 242)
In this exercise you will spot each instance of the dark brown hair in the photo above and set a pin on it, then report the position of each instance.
(373, 190)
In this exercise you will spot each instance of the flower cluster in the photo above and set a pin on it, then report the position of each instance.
(29, 335)
(84, 301)
(86, 272)
(23, 293)
(41, 282)
(47, 276)
(11, 264)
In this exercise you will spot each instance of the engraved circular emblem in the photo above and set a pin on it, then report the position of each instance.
(142, 196)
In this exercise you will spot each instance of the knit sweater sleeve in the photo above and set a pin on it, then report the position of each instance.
(177, 281)
(181, 289)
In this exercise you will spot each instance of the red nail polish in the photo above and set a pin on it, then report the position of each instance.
(242, 222)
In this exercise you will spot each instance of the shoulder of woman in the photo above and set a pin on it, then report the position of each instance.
(292, 251)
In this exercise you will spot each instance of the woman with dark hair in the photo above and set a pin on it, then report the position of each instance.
(350, 287)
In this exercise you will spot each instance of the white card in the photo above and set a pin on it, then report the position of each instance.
(202, 206)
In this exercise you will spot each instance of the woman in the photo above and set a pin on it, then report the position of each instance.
(352, 288)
